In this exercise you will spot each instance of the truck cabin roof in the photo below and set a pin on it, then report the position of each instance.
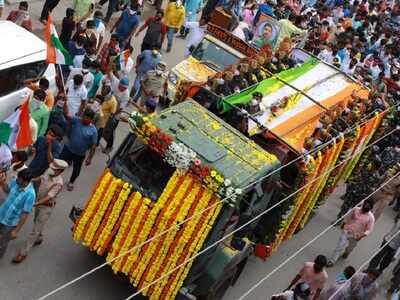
(216, 143)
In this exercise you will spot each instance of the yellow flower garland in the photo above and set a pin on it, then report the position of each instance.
(183, 196)
(113, 218)
(99, 214)
(87, 214)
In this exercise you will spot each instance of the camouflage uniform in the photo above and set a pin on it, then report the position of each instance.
(390, 156)
(361, 186)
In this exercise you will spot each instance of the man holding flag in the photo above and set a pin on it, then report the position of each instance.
(56, 53)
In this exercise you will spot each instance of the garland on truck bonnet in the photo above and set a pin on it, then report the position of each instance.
(116, 219)
(182, 157)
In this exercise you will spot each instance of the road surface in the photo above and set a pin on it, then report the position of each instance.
(59, 259)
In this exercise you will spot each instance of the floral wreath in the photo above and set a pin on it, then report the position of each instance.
(182, 157)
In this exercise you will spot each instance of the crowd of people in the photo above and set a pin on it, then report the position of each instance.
(359, 38)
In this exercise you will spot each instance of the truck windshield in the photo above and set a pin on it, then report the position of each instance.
(214, 56)
(142, 167)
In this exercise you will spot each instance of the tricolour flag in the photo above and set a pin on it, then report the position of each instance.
(15, 130)
(56, 53)
(122, 59)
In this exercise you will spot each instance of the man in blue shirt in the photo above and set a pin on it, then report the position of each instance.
(16, 207)
(82, 137)
(46, 148)
(126, 25)
(146, 61)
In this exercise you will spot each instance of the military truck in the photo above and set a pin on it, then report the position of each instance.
(171, 167)
(218, 50)
(186, 164)
(316, 120)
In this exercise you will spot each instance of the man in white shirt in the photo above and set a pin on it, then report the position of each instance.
(196, 34)
(119, 88)
(76, 95)
(88, 77)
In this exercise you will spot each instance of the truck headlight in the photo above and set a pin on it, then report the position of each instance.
(173, 78)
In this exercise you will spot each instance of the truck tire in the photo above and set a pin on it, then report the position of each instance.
(219, 289)
(239, 269)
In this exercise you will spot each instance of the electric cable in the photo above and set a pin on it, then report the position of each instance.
(245, 224)
(217, 203)
(253, 287)
(364, 264)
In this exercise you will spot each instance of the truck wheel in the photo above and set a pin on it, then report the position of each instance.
(240, 267)
(219, 289)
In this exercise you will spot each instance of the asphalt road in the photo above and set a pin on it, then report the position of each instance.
(59, 259)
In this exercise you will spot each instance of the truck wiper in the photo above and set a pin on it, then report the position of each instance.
(210, 63)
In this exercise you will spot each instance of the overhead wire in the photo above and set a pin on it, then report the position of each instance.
(256, 285)
(304, 155)
(249, 222)
(363, 265)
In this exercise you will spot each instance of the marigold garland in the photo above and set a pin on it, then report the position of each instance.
(370, 132)
(330, 161)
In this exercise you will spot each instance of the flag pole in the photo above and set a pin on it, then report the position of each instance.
(61, 76)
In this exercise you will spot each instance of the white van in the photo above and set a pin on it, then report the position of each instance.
(22, 56)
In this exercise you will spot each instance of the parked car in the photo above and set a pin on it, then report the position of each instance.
(22, 56)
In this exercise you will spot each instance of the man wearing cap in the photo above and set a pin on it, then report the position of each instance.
(154, 85)
(50, 186)
(119, 88)
(145, 62)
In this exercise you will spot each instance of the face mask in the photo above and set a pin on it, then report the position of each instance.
(86, 122)
(95, 106)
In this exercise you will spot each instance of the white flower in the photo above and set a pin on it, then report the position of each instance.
(238, 191)
(227, 182)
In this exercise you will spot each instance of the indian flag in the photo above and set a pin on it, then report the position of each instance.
(15, 130)
(56, 53)
(122, 59)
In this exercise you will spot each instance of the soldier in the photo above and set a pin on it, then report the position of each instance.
(224, 85)
(387, 193)
(248, 74)
(361, 186)
(256, 69)
(391, 155)
(239, 82)
(255, 104)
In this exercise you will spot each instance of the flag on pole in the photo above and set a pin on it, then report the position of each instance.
(122, 59)
(56, 53)
(15, 130)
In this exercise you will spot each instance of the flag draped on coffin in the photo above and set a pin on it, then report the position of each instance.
(56, 53)
(15, 130)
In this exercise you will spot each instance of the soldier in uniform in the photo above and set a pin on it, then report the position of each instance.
(257, 71)
(361, 186)
(224, 85)
(248, 74)
(239, 81)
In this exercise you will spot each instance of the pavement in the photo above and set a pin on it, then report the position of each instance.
(59, 260)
